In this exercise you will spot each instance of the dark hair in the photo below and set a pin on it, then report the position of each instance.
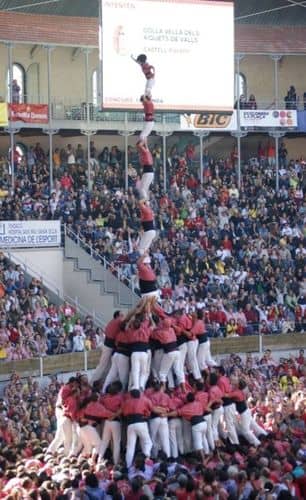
(213, 379)
(135, 393)
(190, 397)
(92, 481)
(141, 58)
(221, 370)
(200, 314)
(116, 314)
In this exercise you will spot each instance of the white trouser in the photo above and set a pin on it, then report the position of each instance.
(199, 437)
(215, 419)
(183, 353)
(192, 362)
(76, 441)
(204, 356)
(59, 434)
(187, 436)
(159, 432)
(150, 82)
(230, 418)
(145, 241)
(111, 434)
(156, 361)
(244, 428)
(145, 183)
(148, 368)
(103, 365)
(209, 432)
(139, 430)
(67, 432)
(139, 369)
(119, 370)
(90, 439)
(171, 360)
(176, 437)
(256, 428)
(146, 130)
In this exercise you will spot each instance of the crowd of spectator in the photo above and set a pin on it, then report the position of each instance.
(240, 253)
(275, 470)
(31, 326)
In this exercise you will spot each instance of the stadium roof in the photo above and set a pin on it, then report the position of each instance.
(260, 12)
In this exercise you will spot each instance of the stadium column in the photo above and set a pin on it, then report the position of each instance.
(276, 58)
(126, 133)
(201, 135)
(277, 136)
(89, 133)
(239, 135)
(10, 129)
(50, 131)
(164, 133)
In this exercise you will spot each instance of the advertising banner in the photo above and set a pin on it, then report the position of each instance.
(209, 121)
(3, 114)
(190, 44)
(29, 113)
(285, 118)
(30, 234)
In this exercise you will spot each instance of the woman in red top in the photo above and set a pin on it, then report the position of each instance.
(148, 71)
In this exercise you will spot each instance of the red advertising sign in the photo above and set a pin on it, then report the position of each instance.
(29, 113)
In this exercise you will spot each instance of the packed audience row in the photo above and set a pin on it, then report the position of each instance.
(240, 253)
(31, 326)
(273, 469)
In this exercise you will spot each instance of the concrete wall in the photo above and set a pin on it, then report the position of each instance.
(68, 75)
(46, 263)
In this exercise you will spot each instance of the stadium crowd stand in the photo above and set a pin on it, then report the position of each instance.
(238, 252)
(275, 469)
(31, 326)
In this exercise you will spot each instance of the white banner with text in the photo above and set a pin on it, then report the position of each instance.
(30, 234)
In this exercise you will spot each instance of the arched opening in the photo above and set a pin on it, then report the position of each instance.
(18, 90)
(240, 85)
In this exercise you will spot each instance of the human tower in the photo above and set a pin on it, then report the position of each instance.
(156, 375)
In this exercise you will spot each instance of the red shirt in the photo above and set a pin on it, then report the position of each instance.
(159, 398)
(224, 384)
(215, 393)
(137, 406)
(198, 328)
(190, 410)
(237, 395)
(148, 108)
(145, 156)
(145, 272)
(97, 410)
(164, 335)
(71, 407)
(146, 213)
(148, 70)
(112, 328)
(141, 334)
(202, 397)
(112, 402)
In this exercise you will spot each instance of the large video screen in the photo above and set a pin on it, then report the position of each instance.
(190, 43)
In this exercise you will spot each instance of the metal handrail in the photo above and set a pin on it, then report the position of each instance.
(101, 258)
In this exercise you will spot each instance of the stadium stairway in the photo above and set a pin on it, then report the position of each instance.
(95, 285)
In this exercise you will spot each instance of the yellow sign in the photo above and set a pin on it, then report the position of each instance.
(3, 114)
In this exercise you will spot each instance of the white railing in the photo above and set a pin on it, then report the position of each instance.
(107, 265)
